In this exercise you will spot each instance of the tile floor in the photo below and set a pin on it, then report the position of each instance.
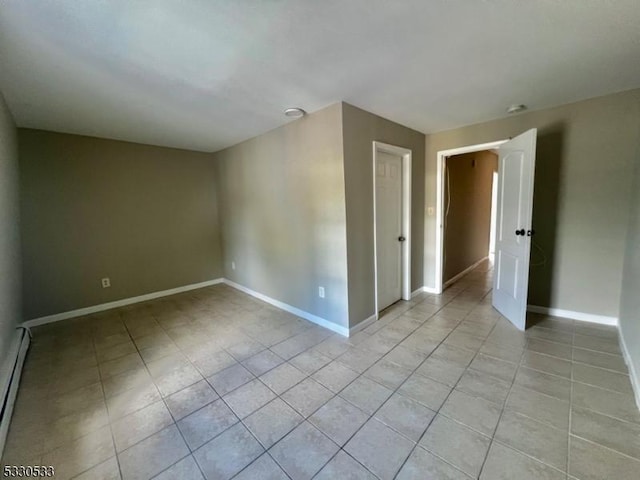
(215, 384)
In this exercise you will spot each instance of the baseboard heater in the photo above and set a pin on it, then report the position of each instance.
(10, 378)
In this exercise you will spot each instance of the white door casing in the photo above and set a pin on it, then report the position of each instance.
(388, 199)
(516, 168)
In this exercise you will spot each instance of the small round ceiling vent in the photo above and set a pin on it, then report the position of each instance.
(516, 108)
(295, 112)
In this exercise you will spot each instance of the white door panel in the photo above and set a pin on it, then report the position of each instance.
(513, 242)
(388, 228)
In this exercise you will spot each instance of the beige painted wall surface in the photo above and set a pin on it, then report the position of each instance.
(468, 224)
(582, 189)
(283, 214)
(360, 130)
(10, 314)
(630, 300)
(146, 217)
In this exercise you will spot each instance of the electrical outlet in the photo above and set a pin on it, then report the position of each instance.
(233, 265)
(106, 282)
(321, 292)
(430, 211)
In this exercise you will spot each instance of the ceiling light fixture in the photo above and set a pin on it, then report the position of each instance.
(516, 108)
(295, 112)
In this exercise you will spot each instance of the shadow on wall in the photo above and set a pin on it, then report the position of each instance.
(549, 154)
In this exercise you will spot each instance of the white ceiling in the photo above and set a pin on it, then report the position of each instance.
(206, 74)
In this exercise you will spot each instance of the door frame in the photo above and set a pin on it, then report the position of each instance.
(441, 160)
(405, 262)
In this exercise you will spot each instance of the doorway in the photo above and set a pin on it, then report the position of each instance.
(513, 230)
(468, 212)
(441, 201)
(392, 224)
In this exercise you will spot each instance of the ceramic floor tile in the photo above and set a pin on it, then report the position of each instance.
(248, 398)
(303, 452)
(440, 369)
(405, 416)
(185, 469)
(366, 394)
(405, 357)
(262, 362)
(388, 374)
(82, 454)
(107, 470)
(272, 422)
(358, 359)
(544, 383)
(338, 420)
(335, 376)
(504, 463)
(541, 407)
(606, 402)
(309, 362)
(204, 424)
(423, 465)
(190, 399)
(482, 385)
(589, 461)
(475, 412)
(599, 377)
(623, 437)
(492, 366)
(379, 448)
(344, 467)
(599, 359)
(307, 396)
(547, 364)
(460, 446)
(429, 393)
(263, 468)
(282, 378)
(227, 454)
(597, 343)
(72, 399)
(536, 439)
(129, 430)
(230, 378)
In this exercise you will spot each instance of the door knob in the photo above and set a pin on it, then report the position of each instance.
(520, 232)
(401, 239)
(531, 233)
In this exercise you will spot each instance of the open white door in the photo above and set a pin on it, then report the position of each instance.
(513, 237)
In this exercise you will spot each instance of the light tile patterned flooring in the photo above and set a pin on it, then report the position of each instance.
(216, 384)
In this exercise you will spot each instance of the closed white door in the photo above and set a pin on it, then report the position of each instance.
(513, 237)
(388, 228)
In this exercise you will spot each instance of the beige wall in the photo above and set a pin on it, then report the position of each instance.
(144, 216)
(283, 214)
(468, 223)
(630, 299)
(360, 130)
(582, 189)
(10, 314)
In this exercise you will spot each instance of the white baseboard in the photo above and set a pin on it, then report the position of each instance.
(118, 303)
(463, 273)
(344, 331)
(425, 290)
(633, 373)
(581, 316)
(10, 373)
(417, 292)
(363, 324)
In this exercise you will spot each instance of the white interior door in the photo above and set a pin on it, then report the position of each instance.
(513, 237)
(388, 228)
